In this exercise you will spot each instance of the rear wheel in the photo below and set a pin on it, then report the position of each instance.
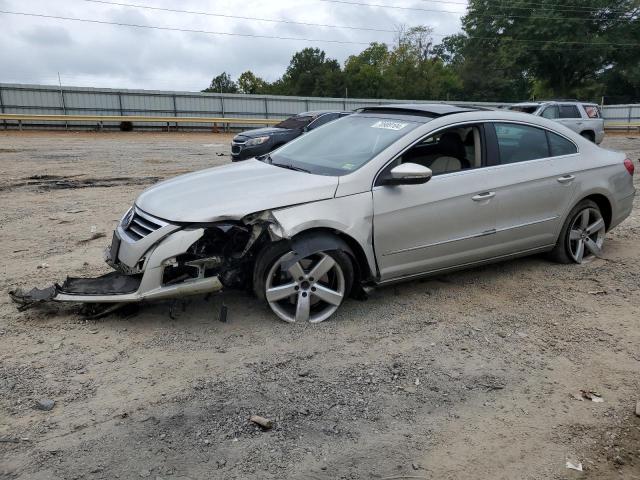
(582, 235)
(299, 290)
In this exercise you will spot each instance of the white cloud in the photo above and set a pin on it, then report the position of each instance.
(35, 49)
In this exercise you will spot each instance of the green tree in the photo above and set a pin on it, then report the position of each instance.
(222, 84)
(509, 52)
(310, 72)
(366, 73)
(249, 83)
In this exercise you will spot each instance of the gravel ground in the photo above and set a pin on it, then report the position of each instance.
(472, 375)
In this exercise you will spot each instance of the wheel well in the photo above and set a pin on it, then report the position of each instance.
(604, 205)
(361, 265)
(590, 133)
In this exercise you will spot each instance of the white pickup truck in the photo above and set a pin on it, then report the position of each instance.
(583, 118)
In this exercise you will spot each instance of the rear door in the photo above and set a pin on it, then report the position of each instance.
(532, 189)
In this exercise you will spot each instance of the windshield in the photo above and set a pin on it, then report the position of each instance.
(524, 109)
(342, 146)
(299, 121)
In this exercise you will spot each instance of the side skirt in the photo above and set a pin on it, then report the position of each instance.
(464, 266)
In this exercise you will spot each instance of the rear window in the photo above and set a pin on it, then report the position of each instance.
(299, 121)
(592, 111)
(569, 111)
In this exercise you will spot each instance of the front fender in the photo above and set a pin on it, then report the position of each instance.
(351, 215)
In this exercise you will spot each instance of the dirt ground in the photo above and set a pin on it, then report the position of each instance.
(472, 375)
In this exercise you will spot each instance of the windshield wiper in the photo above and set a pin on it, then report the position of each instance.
(291, 167)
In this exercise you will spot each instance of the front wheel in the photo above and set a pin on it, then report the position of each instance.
(308, 289)
(582, 235)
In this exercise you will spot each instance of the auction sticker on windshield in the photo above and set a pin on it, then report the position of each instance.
(389, 125)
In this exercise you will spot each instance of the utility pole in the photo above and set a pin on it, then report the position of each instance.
(64, 107)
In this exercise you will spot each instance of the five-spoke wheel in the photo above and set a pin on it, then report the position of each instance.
(586, 235)
(582, 235)
(308, 289)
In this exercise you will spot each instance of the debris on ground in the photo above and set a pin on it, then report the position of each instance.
(94, 236)
(263, 422)
(574, 465)
(45, 404)
(590, 395)
(598, 292)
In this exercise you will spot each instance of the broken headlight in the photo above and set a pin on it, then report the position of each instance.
(257, 141)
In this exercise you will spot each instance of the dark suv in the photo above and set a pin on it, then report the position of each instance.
(256, 142)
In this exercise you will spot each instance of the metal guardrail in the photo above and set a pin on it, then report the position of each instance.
(100, 119)
(621, 125)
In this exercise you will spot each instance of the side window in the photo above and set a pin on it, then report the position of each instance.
(447, 151)
(569, 111)
(592, 111)
(326, 118)
(519, 143)
(550, 112)
(560, 145)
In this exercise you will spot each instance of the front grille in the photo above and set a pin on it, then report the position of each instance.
(239, 140)
(235, 149)
(141, 226)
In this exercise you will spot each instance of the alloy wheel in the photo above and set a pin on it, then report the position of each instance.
(310, 289)
(586, 235)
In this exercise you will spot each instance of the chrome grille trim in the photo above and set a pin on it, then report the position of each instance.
(143, 224)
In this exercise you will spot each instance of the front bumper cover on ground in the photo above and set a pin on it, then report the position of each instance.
(117, 287)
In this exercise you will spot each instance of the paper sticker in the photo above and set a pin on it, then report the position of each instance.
(389, 125)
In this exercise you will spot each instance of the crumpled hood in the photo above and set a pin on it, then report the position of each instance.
(258, 132)
(233, 191)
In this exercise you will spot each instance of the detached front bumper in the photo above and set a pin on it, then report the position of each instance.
(140, 257)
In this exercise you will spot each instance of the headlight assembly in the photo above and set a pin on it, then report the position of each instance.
(257, 141)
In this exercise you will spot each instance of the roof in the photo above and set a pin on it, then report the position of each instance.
(315, 113)
(420, 109)
(541, 102)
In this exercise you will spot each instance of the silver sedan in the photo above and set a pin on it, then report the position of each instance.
(390, 193)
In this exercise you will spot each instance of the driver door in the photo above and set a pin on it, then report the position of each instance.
(446, 222)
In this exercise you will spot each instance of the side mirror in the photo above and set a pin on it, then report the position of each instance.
(408, 174)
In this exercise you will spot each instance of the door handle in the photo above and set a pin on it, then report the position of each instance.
(566, 179)
(483, 196)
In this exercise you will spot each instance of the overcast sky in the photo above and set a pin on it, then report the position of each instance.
(34, 49)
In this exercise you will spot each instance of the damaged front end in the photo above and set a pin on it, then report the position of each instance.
(154, 259)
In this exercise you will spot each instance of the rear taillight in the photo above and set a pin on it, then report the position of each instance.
(628, 164)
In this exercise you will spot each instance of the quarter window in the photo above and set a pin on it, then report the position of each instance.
(569, 111)
(560, 146)
(519, 143)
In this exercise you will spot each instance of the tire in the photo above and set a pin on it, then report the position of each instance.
(589, 136)
(573, 234)
(303, 297)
